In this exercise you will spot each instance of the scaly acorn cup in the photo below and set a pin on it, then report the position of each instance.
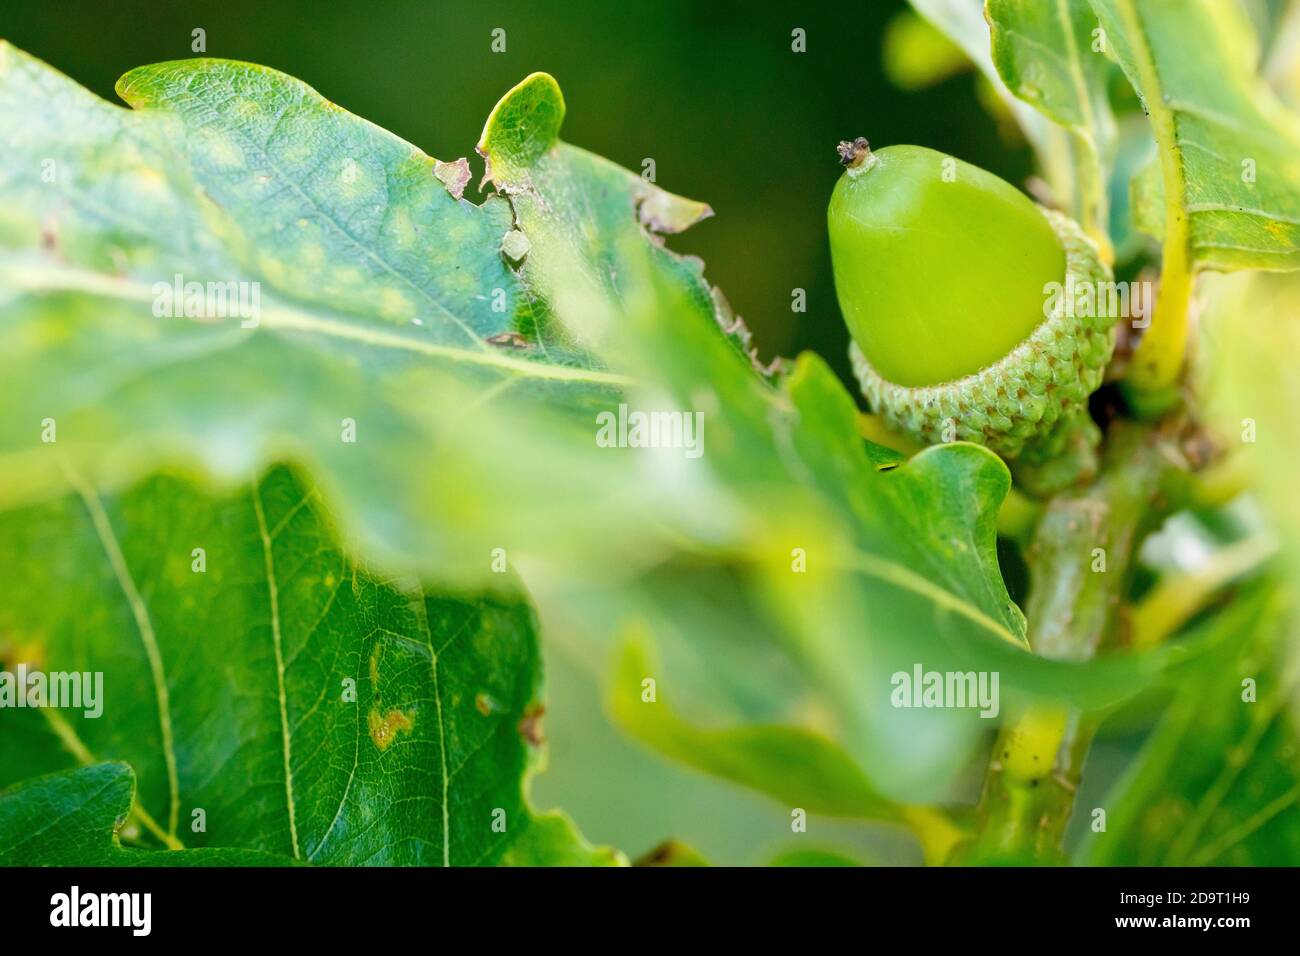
(958, 292)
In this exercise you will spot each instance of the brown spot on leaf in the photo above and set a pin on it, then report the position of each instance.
(530, 728)
(662, 855)
(509, 340)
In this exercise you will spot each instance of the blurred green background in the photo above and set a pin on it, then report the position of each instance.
(714, 94)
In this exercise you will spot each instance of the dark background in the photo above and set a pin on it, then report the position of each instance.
(713, 93)
(710, 90)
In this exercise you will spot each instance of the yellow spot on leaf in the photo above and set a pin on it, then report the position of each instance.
(220, 150)
(15, 650)
(384, 729)
(346, 277)
(394, 305)
(147, 181)
(312, 255)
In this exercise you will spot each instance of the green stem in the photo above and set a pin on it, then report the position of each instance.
(1079, 561)
(1158, 359)
(1030, 788)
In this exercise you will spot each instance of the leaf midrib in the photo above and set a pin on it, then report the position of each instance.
(140, 613)
(37, 278)
(273, 597)
(903, 577)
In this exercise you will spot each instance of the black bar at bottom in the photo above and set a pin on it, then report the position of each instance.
(337, 905)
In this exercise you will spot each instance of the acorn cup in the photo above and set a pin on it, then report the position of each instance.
(957, 291)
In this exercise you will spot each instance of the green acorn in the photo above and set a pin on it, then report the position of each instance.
(955, 288)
